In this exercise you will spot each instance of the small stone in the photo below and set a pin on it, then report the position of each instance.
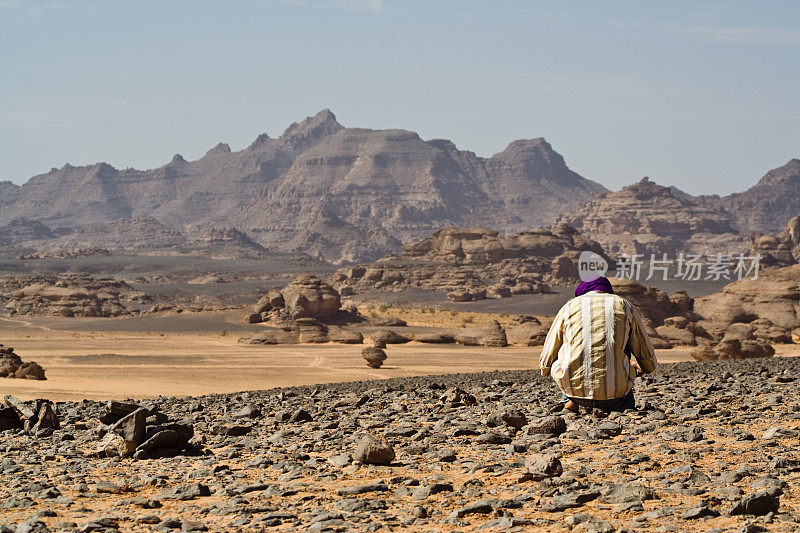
(543, 466)
(759, 504)
(375, 450)
(549, 425)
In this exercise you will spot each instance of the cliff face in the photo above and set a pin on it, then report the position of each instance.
(344, 193)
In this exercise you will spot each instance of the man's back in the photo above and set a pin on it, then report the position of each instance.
(589, 345)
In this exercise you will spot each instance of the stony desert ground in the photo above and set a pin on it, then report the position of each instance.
(711, 447)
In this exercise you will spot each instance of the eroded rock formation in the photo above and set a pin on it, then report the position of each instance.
(475, 263)
(12, 366)
(69, 295)
(649, 218)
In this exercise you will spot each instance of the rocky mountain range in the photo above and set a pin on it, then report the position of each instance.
(343, 193)
(352, 194)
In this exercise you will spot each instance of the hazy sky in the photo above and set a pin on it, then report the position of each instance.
(701, 95)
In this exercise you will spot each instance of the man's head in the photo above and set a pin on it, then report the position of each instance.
(594, 283)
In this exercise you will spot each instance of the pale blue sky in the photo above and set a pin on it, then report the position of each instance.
(701, 95)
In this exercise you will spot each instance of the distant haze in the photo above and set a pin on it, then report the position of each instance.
(698, 95)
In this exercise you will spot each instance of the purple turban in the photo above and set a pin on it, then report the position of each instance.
(594, 283)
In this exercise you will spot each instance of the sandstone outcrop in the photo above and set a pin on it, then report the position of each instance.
(769, 304)
(473, 264)
(669, 320)
(493, 336)
(528, 331)
(308, 296)
(647, 218)
(303, 311)
(782, 249)
(69, 295)
(305, 297)
(12, 366)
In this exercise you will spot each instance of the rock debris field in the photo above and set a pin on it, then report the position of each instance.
(710, 447)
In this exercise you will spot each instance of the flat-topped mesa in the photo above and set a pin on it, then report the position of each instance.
(69, 295)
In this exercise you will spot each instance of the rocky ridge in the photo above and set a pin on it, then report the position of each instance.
(767, 205)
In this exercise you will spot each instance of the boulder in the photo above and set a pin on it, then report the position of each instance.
(9, 363)
(344, 336)
(459, 296)
(272, 300)
(388, 336)
(543, 466)
(492, 335)
(374, 449)
(374, 356)
(676, 336)
(30, 370)
(732, 348)
(529, 333)
(9, 419)
(273, 336)
(435, 338)
(12, 366)
(133, 427)
(115, 445)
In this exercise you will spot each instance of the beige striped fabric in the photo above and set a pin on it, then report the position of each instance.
(585, 349)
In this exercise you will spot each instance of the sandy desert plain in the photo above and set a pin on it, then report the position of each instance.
(198, 353)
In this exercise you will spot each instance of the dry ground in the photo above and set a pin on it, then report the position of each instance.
(199, 354)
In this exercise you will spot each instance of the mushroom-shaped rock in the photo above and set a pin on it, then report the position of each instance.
(374, 356)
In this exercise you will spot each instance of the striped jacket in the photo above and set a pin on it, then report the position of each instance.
(588, 347)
